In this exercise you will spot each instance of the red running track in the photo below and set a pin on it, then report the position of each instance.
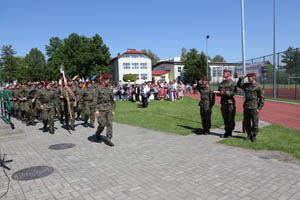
(273, 112)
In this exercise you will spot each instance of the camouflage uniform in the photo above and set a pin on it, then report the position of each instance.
(206, 103)
(105, 105)
(89, 102)
(45, 97)
(18, 97)
(254, 100)
(64, 93)
(80, 103)
(28, 93)
(228, 105)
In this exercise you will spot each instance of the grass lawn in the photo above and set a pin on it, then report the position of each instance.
(181, 117)
(272, 137)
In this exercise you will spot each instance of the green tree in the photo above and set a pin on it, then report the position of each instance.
(194, 66)
(79, 55)
(131, 77)
(183, 54)
(35, 65)
(8, 64)
(218, 58)
(154, 57)
(291, 59)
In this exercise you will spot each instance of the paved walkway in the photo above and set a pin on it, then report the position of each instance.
(273, 112)
(146, 165)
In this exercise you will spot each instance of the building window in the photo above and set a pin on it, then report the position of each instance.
(214, 70)
(137, 77)
(143, 65)
(126, 65)
(135, 65)
(179, 69)
(126, 56)
(135, 56)
(220, 72)
(163, 78)
(144, 76)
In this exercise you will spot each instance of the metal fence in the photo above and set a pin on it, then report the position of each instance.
(287, 65)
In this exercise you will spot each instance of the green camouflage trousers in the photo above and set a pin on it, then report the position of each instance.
(228, 114)
(89, 112)
(251, 121)
(105, 119)
(47, 115)
(205, 114)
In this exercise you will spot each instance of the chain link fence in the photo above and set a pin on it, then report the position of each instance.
(287, 74)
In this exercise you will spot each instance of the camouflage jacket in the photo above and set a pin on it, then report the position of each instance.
(45, 97)
(89, 96)
(79, 94)
(64, 93)
(229, 87)
(104, 99)
(254, 95)
(207, 96)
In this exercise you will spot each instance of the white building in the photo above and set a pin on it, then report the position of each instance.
(132, 62)
(217, 68)
(168, 70)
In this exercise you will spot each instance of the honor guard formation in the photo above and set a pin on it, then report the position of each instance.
(45, 101)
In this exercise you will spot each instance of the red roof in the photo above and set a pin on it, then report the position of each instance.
(157, 73)
(132, 51)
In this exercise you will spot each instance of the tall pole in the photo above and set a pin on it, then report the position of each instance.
(274, 52)
(207, 37)
(243, 39)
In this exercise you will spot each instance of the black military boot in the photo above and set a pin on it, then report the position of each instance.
(85, 124)
(27, 123)
(51, 130)
(109, 143)
(72, 127)
(45, 127)
(67, 126)
(253, 139)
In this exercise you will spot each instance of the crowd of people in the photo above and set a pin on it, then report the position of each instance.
(144, 92)
(44, 102)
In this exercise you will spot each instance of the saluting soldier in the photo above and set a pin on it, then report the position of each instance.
(227, 90)
(206, 104)
(105, 109)
(46, 104)
(89, 102)
(254, 101)
(71, 94)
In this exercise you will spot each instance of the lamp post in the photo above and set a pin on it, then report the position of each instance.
(207, 37)
(274, 51)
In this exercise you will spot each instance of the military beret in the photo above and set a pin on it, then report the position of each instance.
(227, 70)
(205, 79)
(69, 80)
(28, 80)
(105, 76)
(46, 82)
(251, 74)
(88, 82)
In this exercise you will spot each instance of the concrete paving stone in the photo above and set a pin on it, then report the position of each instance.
(145, 164)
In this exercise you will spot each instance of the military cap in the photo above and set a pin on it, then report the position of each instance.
(227, 70)
(46, 82)
(251, 74)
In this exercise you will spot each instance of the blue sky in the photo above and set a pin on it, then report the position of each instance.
(164, 26)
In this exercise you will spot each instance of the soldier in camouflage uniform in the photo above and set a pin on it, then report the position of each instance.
(80, 91)
(28, 96)
(206, 103)
(254, 101)
(105, 109)
(89, 102)
(46, 104)
(12, 99)
(73, 103)
(37, 109)
(227, 90)
(56, 89)
(18, 97)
